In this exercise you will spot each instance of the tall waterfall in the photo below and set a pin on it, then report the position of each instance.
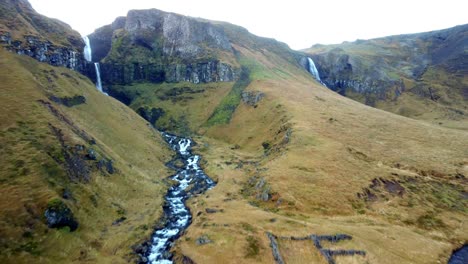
(87, 49)
(98, 77)
(88, 57)
(313, 70)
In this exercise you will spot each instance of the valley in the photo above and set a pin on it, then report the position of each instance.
(265, 164)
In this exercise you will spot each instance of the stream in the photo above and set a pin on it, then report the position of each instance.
(459, 256)
(190, 180)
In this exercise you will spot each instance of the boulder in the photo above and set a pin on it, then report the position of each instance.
(58, 215)
(203, 240)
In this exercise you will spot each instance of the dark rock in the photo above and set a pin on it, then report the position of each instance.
(173, 52)
(202, 72)
(106, 164)
(67, 194)
(120, 220)
(91, 154)
(110, 167)
(69, 101)
(187, 260)
(252, 97)
(275, 249)
(44, 51)
(151, 115)
(212, 210)
(77, 168)
(59, 215)
(203, 240)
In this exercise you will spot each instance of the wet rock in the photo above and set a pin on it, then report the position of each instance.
(203, 240)
(59, 215)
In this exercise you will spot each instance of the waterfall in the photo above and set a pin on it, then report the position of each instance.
(98, 77)
(88, 56)
(313, 70)
(87, 49)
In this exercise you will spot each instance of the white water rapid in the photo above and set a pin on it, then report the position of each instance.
(177, 214)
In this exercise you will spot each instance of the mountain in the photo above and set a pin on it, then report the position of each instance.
(71, 158)
(297, 166)
(423, 76)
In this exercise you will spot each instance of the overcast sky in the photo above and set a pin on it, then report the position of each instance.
(299, 23)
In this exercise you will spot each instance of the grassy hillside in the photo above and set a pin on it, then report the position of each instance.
(326, 165)
(304, 160)
(45, 150)
(301, 160)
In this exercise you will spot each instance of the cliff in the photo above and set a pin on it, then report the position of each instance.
(155, 46)
(407, 74)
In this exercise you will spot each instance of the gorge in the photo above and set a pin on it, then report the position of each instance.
(298, 173)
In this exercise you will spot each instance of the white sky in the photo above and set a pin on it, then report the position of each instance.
(299, 23)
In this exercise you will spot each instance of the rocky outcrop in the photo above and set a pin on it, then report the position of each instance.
(68, 101)
(26, 32)
(164, 34)
(155, 46)
(346, 74)
(376, 69)
(58, 215)
(204, 239)
(252, 97)
(201, 72)
(274, 248)
(44, 51)
(151, 115)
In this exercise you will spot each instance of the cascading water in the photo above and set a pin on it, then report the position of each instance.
(313, 70)
(87, 49)
(176, 214)
(88, 57)
(98, 77)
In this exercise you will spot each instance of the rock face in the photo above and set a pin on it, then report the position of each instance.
(59, 215)
(155, 46)
(44, 39)
(201, 72)
(252, 97)
(44, 51)
(379, 69)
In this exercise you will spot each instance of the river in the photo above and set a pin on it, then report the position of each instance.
(190, 180)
